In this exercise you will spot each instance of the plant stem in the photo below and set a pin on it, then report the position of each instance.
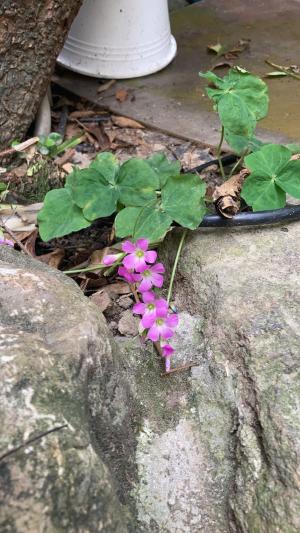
(239, 161)
(219, 153)
(88, 269)
(175, 265)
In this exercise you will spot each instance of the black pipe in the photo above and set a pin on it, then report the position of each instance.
(289, 213)
(257, 218)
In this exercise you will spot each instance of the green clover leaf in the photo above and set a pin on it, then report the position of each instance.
(60, 215)
(163, 167)
(137, 183)
(273, 174)
(92, 192)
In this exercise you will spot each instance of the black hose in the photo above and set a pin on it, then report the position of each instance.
(289, 213)
(258, 218)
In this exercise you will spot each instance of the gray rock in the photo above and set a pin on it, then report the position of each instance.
(53, 345)
(244, 284)
(213, 449)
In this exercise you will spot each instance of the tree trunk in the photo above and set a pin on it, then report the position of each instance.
(32, 33)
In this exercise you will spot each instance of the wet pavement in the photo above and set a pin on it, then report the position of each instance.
(173, 100)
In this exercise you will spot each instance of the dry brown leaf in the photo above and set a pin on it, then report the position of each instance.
(227, 197)
(31, 241)
(125, 122)
(222, 64)
(121, 95)
(53, 259)
(105, 86)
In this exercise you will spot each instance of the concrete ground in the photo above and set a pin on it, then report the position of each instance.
(173, 100)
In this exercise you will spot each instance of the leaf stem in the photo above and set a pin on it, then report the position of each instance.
(175, 265)
(283, 69)
(87, 269)
(239, 161)
(219, 153)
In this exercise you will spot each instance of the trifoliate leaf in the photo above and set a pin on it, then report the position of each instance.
(60, 215)
(137, 183)
(182, 199)
(240, 144)
(262, 193)
(273, 173)
(289, 178)
(163, 167)
(241, 100)
(269, 161)
(93, 193)
(107, 165)
(148, 222)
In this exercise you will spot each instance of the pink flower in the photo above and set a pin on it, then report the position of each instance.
(163, 327)
(151, 277)
(167, 350)
(7, 242)
(150, 308)
(138, 256)
(167, 364)
(128, 275)
(110, 259)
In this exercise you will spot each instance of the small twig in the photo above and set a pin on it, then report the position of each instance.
(14, 238)
(30, 441)
(282, 69)
(179, 369)
(19, 147)
(135, 294)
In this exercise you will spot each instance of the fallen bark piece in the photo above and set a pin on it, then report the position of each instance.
(227, 197)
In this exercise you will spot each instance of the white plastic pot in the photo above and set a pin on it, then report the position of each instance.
(119, 39)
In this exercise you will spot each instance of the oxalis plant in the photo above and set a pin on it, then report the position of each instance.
(241, 100)
(147, 196)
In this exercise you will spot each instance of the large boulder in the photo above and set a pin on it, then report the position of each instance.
(215, 448)
(53, 345)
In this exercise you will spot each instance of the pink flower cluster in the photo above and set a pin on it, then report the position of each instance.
(139, 268)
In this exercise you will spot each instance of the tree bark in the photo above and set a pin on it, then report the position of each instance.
(32, 33)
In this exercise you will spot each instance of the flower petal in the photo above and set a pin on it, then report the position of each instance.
(145, 285)
(165, 332)
(158, 268)
(142, 244)
(153, 333)
(167, 364)
(167, 350)
(148, 320)
(139, 308)
(157, 280)
(150, 256)
(109, 259)
(172, 320)
(148, 297)
(139, 263)
(161, 307)
(128, 247)
(129, 261)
